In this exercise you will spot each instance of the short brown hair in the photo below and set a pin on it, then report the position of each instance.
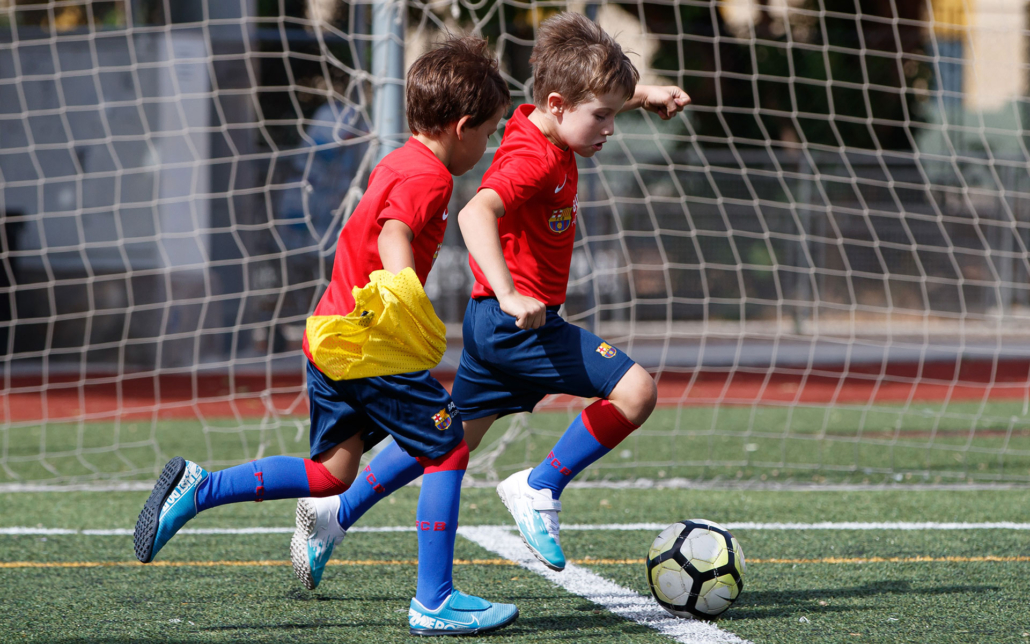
(577, 59)
(458, 77)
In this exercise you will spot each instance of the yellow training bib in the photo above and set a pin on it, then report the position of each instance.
(392, 329)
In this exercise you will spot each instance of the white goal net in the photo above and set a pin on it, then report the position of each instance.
(823, 261)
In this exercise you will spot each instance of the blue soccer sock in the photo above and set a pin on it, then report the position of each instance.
(388, 472)
(267, 479)
(593, 433)
(437, 522)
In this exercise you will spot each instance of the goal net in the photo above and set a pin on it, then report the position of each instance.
(823, 261)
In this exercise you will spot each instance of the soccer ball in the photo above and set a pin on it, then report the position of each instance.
(695, 568)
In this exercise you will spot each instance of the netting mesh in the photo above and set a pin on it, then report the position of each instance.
(823, 261)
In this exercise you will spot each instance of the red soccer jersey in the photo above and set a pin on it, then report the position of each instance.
(410, 185)
(537, 182)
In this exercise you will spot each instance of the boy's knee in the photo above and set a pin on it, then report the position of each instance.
(475, 429)
(456, 459)
(324, 480)
(636, 395)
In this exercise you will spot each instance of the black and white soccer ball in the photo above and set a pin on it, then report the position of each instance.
(695, 568)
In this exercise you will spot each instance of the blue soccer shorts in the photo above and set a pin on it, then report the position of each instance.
(413, 408)
(505, 369)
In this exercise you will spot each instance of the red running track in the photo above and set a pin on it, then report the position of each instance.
(102, 398)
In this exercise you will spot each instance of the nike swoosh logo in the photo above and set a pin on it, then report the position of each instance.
(446, 621)
(474, 622)
(445, 214)
(564, 181)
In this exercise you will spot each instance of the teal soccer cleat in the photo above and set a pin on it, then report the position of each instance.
(460, 614)
(172, 503)
(318, 532)
(536, 516)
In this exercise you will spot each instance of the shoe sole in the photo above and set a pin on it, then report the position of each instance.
(146, 525)
(536, 553)
(306, 518)
(452, 633)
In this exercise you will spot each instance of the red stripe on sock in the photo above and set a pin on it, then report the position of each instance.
(606, 423)
(321, 482)
(456, 459)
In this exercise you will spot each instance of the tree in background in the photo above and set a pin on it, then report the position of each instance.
(824, 67)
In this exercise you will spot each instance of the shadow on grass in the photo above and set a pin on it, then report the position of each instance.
(766, 604)
(402, 600)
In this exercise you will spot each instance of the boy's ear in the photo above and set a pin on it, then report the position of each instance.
(461, 126)
(555, 103)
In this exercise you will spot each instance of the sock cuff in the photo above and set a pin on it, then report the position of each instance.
(606, 423)
(321, 482)
(456, 459)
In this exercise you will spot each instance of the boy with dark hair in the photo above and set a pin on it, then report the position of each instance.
(520, 230)
(365, 380)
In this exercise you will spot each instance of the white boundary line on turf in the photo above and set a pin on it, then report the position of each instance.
(572, 527)
(125, 486)
(825, 525)
(607, 594)
(633, 484)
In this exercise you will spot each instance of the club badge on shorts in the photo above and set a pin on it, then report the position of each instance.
(606, 350)
(442, 420)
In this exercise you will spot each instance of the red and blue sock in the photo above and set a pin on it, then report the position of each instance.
(268, 479)
(388, 472)
(436, 520)
(594, 433)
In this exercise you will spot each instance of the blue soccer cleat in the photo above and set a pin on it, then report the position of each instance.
(318, 532)
(172, 503)
(536, 515)
(460, 614)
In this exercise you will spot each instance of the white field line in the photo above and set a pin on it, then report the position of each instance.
(825, 525)
(638, 484)
(123, 532)
(572, 527)
(607, 594)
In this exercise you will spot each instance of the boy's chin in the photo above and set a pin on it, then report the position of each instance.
(587, 151)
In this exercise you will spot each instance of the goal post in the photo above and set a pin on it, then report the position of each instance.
(823, 261)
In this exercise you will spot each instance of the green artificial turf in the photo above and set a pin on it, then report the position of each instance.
(903, 601)
(923, 442)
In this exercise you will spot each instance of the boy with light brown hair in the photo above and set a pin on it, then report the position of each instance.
(520, 231)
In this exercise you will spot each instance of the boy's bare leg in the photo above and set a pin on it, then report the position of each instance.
(185, 489)
(532, 495)
(318, 530)
(343, 460)
(476, 429)
(635, 396)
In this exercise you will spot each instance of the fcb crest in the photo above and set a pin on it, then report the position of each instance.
(560, 220)
(442, 420)
(606, 350)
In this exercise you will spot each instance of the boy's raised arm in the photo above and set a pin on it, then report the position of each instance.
(395, 246)
(665, 101)
(478, 223)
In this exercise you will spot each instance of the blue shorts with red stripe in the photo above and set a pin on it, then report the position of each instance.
(505, 369)
(414, 408)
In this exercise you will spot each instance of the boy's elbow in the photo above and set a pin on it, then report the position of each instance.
(468, 214)
(476, 211)
(387, 237)
(396, 231)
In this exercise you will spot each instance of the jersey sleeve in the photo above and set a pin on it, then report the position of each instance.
(415, 200)
(516, 178)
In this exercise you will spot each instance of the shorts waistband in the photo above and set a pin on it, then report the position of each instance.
(494, 298)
